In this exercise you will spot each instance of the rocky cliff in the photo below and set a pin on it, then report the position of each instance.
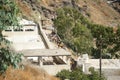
(97, 11)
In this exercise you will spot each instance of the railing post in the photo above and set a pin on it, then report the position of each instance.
(40, 61)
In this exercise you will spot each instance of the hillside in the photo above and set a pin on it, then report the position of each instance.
(115, 4)
(97, 11)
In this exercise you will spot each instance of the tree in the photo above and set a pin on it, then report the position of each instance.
(115, 52)
(107, 42)
(70, 25)
(109, 38)
(8, 17)
(104, 39)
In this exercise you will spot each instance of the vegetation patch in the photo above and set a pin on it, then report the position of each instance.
(83, 36)
(77, 74)
(71, 27)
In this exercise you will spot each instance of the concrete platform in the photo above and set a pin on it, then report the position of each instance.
(45, 52)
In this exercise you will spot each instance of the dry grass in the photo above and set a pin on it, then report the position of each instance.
(28, 73)
(27, 11)
(100, 12)
(48, 2)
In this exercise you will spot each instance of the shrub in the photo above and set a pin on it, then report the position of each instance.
(95, 75)
(71, 27)
(77, 74)
(9, 58)
(64, 74)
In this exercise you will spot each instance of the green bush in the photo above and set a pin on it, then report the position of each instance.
(64, 74)
(71, 27)
(8, 58)
(8, 18)
(95, 75)
(77, 74)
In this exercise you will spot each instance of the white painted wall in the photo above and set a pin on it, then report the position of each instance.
(54, 69)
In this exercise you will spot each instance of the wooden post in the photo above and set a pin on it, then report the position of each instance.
(100, 52)
(100, 63)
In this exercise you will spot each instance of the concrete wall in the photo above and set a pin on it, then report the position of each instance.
(54, 69)
(106, 63)
(109, 64)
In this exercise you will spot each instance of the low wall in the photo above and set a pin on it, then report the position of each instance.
(109, 64)
(8, 34)
(45, 39)
(106, 63)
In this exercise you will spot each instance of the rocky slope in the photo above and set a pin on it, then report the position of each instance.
(97, 11)
(115, 4)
